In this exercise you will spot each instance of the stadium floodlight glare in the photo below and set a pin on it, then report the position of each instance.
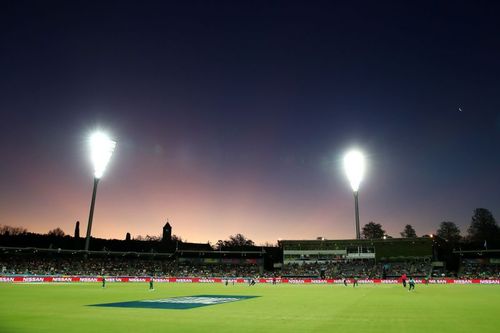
(101, 149)
(354, 165)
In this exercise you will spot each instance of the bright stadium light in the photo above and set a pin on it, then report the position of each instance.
(101, 149)
(354, 165)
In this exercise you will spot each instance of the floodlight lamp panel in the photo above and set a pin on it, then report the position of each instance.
(101, 147)
(354, 165)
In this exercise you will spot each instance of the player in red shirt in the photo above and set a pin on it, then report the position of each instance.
(403, 279)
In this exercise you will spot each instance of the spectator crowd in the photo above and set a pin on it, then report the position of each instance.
(478, 270)
(364, 269)
(170, 267)
(119, 266)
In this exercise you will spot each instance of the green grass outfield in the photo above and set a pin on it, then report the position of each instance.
(59, 308)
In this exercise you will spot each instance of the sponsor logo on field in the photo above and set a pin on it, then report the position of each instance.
(489, 281)
(6, 279)
(88, 279)
(161, 280)
(463, 281)
(137, 280)
(32, 279)
(181, 303)
(195, 300)
(113, 279)
(61, 279)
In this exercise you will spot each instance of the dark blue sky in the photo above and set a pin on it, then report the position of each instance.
(234, 116)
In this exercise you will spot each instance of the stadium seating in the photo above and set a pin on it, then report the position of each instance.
(116, 264)
(478, 270)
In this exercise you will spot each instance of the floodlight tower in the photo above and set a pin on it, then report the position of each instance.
(354, 165)
(101, 149)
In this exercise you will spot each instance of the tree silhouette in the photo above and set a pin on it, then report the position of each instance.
(153, 238)
(449, 231)
(219, 244)
(240, 240)
(408, 232)
(373, 230)
(176, 239)
(7, 230)
(237, 240)
(483, 226)
(57, 232)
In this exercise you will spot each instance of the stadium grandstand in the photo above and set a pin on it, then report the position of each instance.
(378, 258)
(479, 264)
(33, 261)
(424, 257)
